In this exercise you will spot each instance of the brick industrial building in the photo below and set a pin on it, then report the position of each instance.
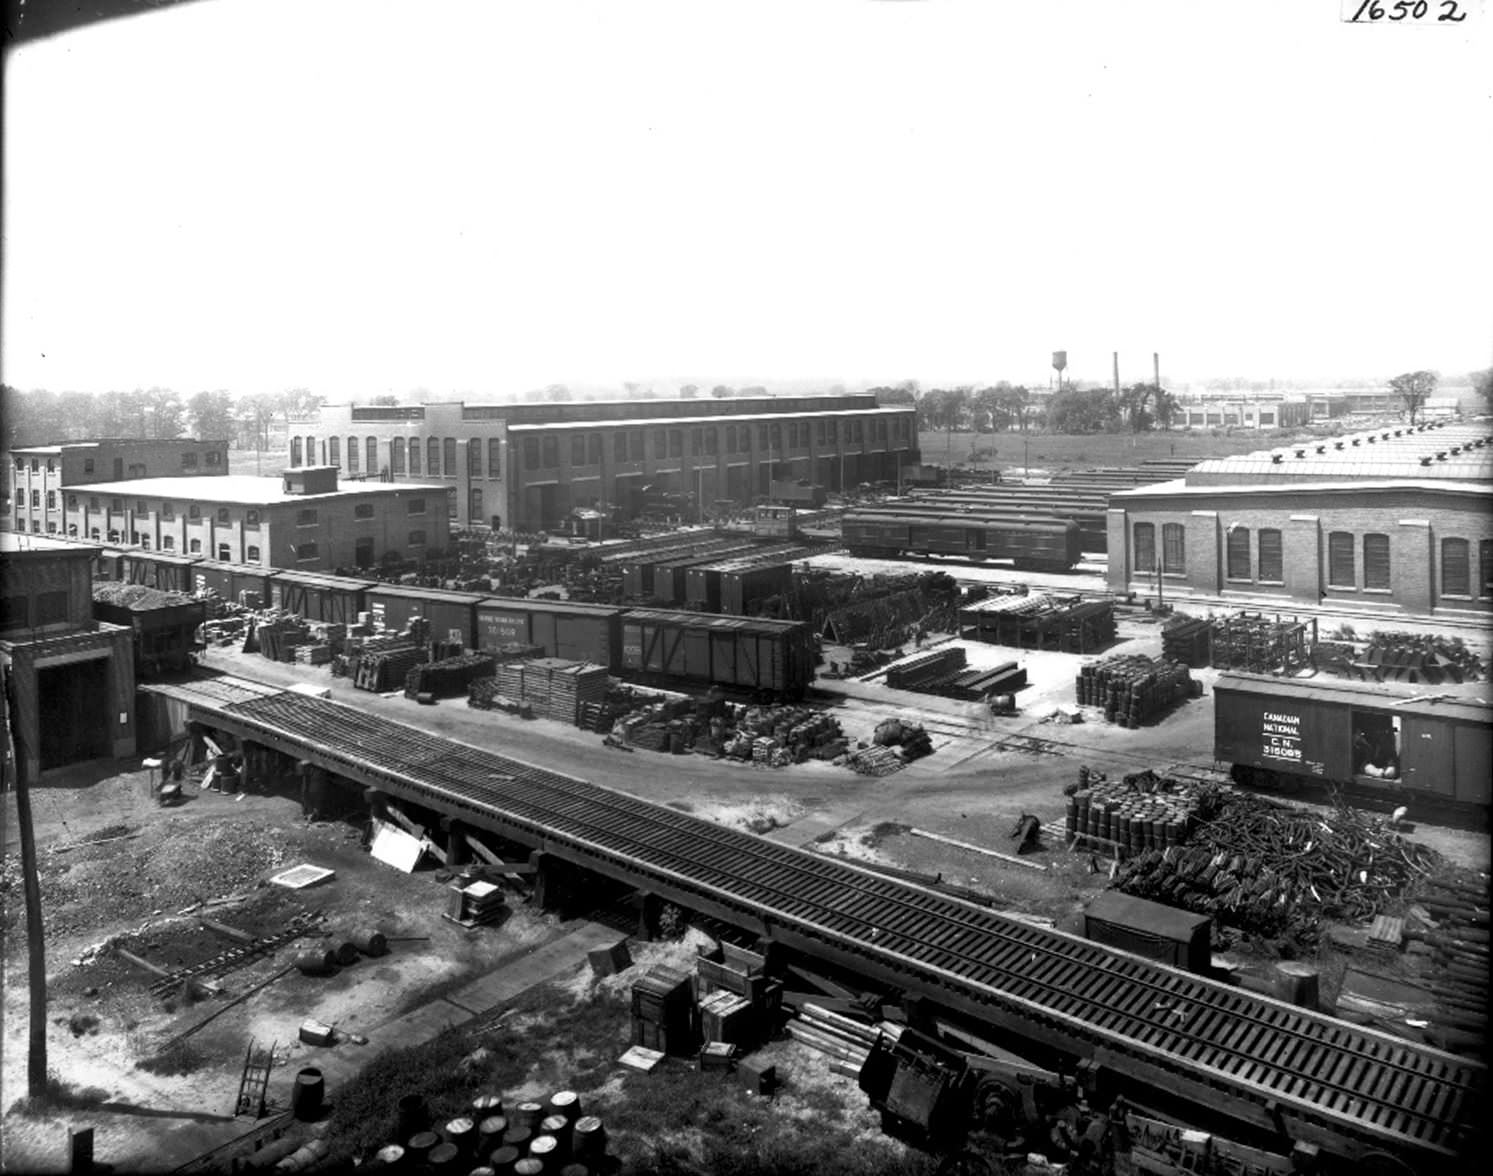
(41, 476)
(303, 520)
(70, 679)
(527, 466)
(1394, 519)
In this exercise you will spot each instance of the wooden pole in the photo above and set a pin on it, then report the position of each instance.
(36, 949)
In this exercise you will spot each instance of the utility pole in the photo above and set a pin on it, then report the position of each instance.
(36, 952)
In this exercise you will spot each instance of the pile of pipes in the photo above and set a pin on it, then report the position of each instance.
(844, 1040)
(1271, 869)
(1134, 689)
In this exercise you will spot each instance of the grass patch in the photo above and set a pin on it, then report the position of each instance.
(58, 1097)
(882, 830)
(180, 1057)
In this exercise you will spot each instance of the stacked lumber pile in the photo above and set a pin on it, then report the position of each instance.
(1134, 689)
(487, 694)
(978, 685)
(383, 663)
(916, 672)
(450, 677)
(844, 1039)
(1128, 816)
(1188, 640)
(550, 687)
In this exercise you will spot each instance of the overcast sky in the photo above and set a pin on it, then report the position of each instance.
(260, 194)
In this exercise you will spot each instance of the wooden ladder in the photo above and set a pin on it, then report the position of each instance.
(254, 1081)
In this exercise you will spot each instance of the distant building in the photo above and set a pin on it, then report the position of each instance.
(40, 475)
(1248, 412)
(528, 466)
(1394, 520)
(71, 678)
(302, 520)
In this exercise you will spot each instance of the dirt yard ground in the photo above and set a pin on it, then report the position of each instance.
(115, 867)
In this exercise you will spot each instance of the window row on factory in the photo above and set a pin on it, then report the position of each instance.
(437, 455)
(189, 461)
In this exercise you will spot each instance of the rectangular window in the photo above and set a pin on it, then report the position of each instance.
(834, 432)
(415, 456)
(168, 512)
(311, 451)
(417, 539)
(635, 445)
(1238, 553)
(51, 500)
(474, 458)
(116, 504)
(352, 455)
(676, 442)
(593, 449)
(363, 510)
(494, 458)
(761, 437)
(225, 553)
(251, 553)
(551, 452)
(1376, 561)
(251, 520)
(14, 612)
(87, 465)
(451, 503)
(696, 442)
(711, 441)
(433, 457)
(448, 456)
(194, 511)
(189, 461)
(140, 506)
(1485, 566)
(36, 465)
(305, 518)
(416, 506)
(819, 431)
(1173, 548)
(72, 502)
(51, 608)
(306, 551)
(661, 444)
(168, 542)
(1271, 563)
(334, 451)
(1341, 572)
(531, 453)
(36, 499)
(1456, 573)
(1145, 547)
(213, 457)
(51, 466)
(619, 446)
(396, 455)
(194, 546)
(577, 449)
(371, 448)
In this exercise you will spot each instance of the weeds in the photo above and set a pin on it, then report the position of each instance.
(180, 1057)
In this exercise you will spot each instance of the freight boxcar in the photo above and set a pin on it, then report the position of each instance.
(1028, 541)
(394, 606)
(320, 598)
(774, 657)
(158, 569)
(566, 629)
(164, 624)
(241, 583)
(108, 564)
(670, 577)
(1278, 734)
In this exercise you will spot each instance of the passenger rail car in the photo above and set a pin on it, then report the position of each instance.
(1279, 734)
(1033, 542)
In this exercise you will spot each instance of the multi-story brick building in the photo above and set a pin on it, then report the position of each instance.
(71, 678)
(41, 475)
(527, 466)
(1398, 520)
(303, 520)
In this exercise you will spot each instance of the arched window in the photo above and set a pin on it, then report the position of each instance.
(1341, 572)
(194, 546)
(1173, 548)
(311, 451)
(373, 455)
(1238, 553)
(1145, 547)
(1456, 572)
(415, 456)
(433, 458)
(295, 451)
(1271, 564)
(352, 455)
(474, 458)
(1376, 561)
(334, 451)
(449, 456)
(396, 455)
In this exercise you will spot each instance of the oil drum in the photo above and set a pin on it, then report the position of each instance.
(306, 1095)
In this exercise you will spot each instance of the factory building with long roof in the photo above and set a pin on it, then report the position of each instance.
(1395, 520)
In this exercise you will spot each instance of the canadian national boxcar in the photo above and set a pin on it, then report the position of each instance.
(1029, 541)
(774, 657)
(1278, 733)
(395, 605)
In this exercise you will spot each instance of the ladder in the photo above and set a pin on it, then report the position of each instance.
(254, 1081)
(235, 957)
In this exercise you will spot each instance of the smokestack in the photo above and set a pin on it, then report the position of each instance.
(1156, 367)
(1117, 373)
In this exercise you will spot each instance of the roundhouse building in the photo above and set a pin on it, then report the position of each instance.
(527, 466)
(1396, 519)
(304, 520)
(41, 476)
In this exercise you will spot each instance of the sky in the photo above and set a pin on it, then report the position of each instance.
(489, 197)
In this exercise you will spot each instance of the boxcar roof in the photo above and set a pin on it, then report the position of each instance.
(162, 557)
(412, 591)
(1465, 700)
(696, 620)
(322, 580)
(238, 569)
(535, 604)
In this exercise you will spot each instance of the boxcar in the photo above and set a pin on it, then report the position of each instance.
(108, 564)
(160, 569)
(1037, 542)
(1278, 733)
(670, 577)
(320, 598)
(566, 629)
(163, 629)
(395, 605)
(232, 580)
(706, 649)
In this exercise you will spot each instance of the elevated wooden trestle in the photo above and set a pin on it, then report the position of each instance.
(1311, 1078)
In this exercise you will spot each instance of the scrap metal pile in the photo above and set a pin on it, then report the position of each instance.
(1402, 657)
(770, 736)
(1270, 869)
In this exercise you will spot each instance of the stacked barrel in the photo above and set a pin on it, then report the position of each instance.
(1133, 689)
(1117, 817)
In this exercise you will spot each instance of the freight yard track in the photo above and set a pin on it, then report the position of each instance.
(1348, 1088)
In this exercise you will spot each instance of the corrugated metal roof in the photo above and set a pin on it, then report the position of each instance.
(696, 620)
(527, 604)
(411, 591)
(324, 580)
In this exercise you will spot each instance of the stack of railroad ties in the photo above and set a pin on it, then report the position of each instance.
(943, 672)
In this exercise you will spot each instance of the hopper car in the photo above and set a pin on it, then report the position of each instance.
(1030, 542)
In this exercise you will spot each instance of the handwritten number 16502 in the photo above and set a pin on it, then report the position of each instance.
(1371, 10)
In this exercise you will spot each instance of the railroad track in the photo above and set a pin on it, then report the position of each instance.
(1344, 1082)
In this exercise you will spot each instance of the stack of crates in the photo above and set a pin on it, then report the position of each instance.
(738, 1003)
(661, 1014)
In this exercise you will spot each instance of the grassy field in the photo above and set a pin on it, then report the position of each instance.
(1056, 452)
